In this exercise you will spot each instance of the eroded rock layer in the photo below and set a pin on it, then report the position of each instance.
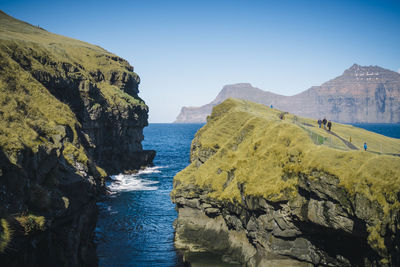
(69, 116)
(261, 190)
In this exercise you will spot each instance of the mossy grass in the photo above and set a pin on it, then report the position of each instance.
(31, 223)
(29, 113)
(27, 116)
(103, 174)
(60, 48)
(73, 153)
(267, 155)
(5, 234)
(66, 202)
(116, 98)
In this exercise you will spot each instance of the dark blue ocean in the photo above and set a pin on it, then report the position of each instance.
(135, 221)
(391, 130)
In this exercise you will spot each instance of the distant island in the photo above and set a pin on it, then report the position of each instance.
(362, 94)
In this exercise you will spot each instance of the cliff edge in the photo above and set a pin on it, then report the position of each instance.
(69, 116)
(266, 185)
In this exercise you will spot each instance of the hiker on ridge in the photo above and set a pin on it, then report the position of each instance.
(319, 123)
(324, 122)
(329, 126)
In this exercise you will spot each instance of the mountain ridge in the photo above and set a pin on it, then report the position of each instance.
(361, 94)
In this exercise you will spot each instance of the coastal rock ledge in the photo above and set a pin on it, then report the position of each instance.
(70, 116)
(264, 189)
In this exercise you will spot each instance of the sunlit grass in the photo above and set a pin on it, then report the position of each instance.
(31, 223)
(30, 115)
(5, 234)
(266, 155)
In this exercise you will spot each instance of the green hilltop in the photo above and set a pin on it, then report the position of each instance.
(29, 113)
(246, 149)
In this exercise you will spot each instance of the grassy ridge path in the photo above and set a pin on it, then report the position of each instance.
(347, 143)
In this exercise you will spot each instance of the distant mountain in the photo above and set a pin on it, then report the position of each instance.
(368, 94)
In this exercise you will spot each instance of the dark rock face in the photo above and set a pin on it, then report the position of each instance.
(320, 227)
(115, 132)
(53, 166)
(368, 94)
(44, 183)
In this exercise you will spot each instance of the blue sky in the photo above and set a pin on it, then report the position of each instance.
(186, 51)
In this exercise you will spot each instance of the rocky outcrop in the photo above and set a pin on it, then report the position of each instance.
(260, 192)
(70, 115)
(362, 94)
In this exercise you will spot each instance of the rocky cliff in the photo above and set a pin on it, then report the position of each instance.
(365, 94)
(264, 187)
(69, 115)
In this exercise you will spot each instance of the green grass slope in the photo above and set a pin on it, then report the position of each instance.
(246, 149)
(51, 88)
(29, 113)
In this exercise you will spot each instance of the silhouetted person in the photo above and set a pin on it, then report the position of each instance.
(324, 122)
(329, 126)
(365, 146)
(319, 123)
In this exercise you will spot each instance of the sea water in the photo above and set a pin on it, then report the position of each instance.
(135, 220)
(391, 130)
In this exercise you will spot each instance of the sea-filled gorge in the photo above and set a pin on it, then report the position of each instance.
(135, 220)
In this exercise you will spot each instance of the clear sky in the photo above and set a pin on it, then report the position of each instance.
(185, 51)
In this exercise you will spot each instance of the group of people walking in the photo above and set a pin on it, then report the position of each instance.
(328, 124)
(325, 123)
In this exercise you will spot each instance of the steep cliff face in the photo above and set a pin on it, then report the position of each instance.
(194, 114)
(362, 94)
(260, 190)
(70, 114)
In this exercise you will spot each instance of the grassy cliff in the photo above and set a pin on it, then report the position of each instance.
(69, 115)
(32, 60)
(246, 149)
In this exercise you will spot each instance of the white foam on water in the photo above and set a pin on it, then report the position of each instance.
(149, 170)
(133, 182)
